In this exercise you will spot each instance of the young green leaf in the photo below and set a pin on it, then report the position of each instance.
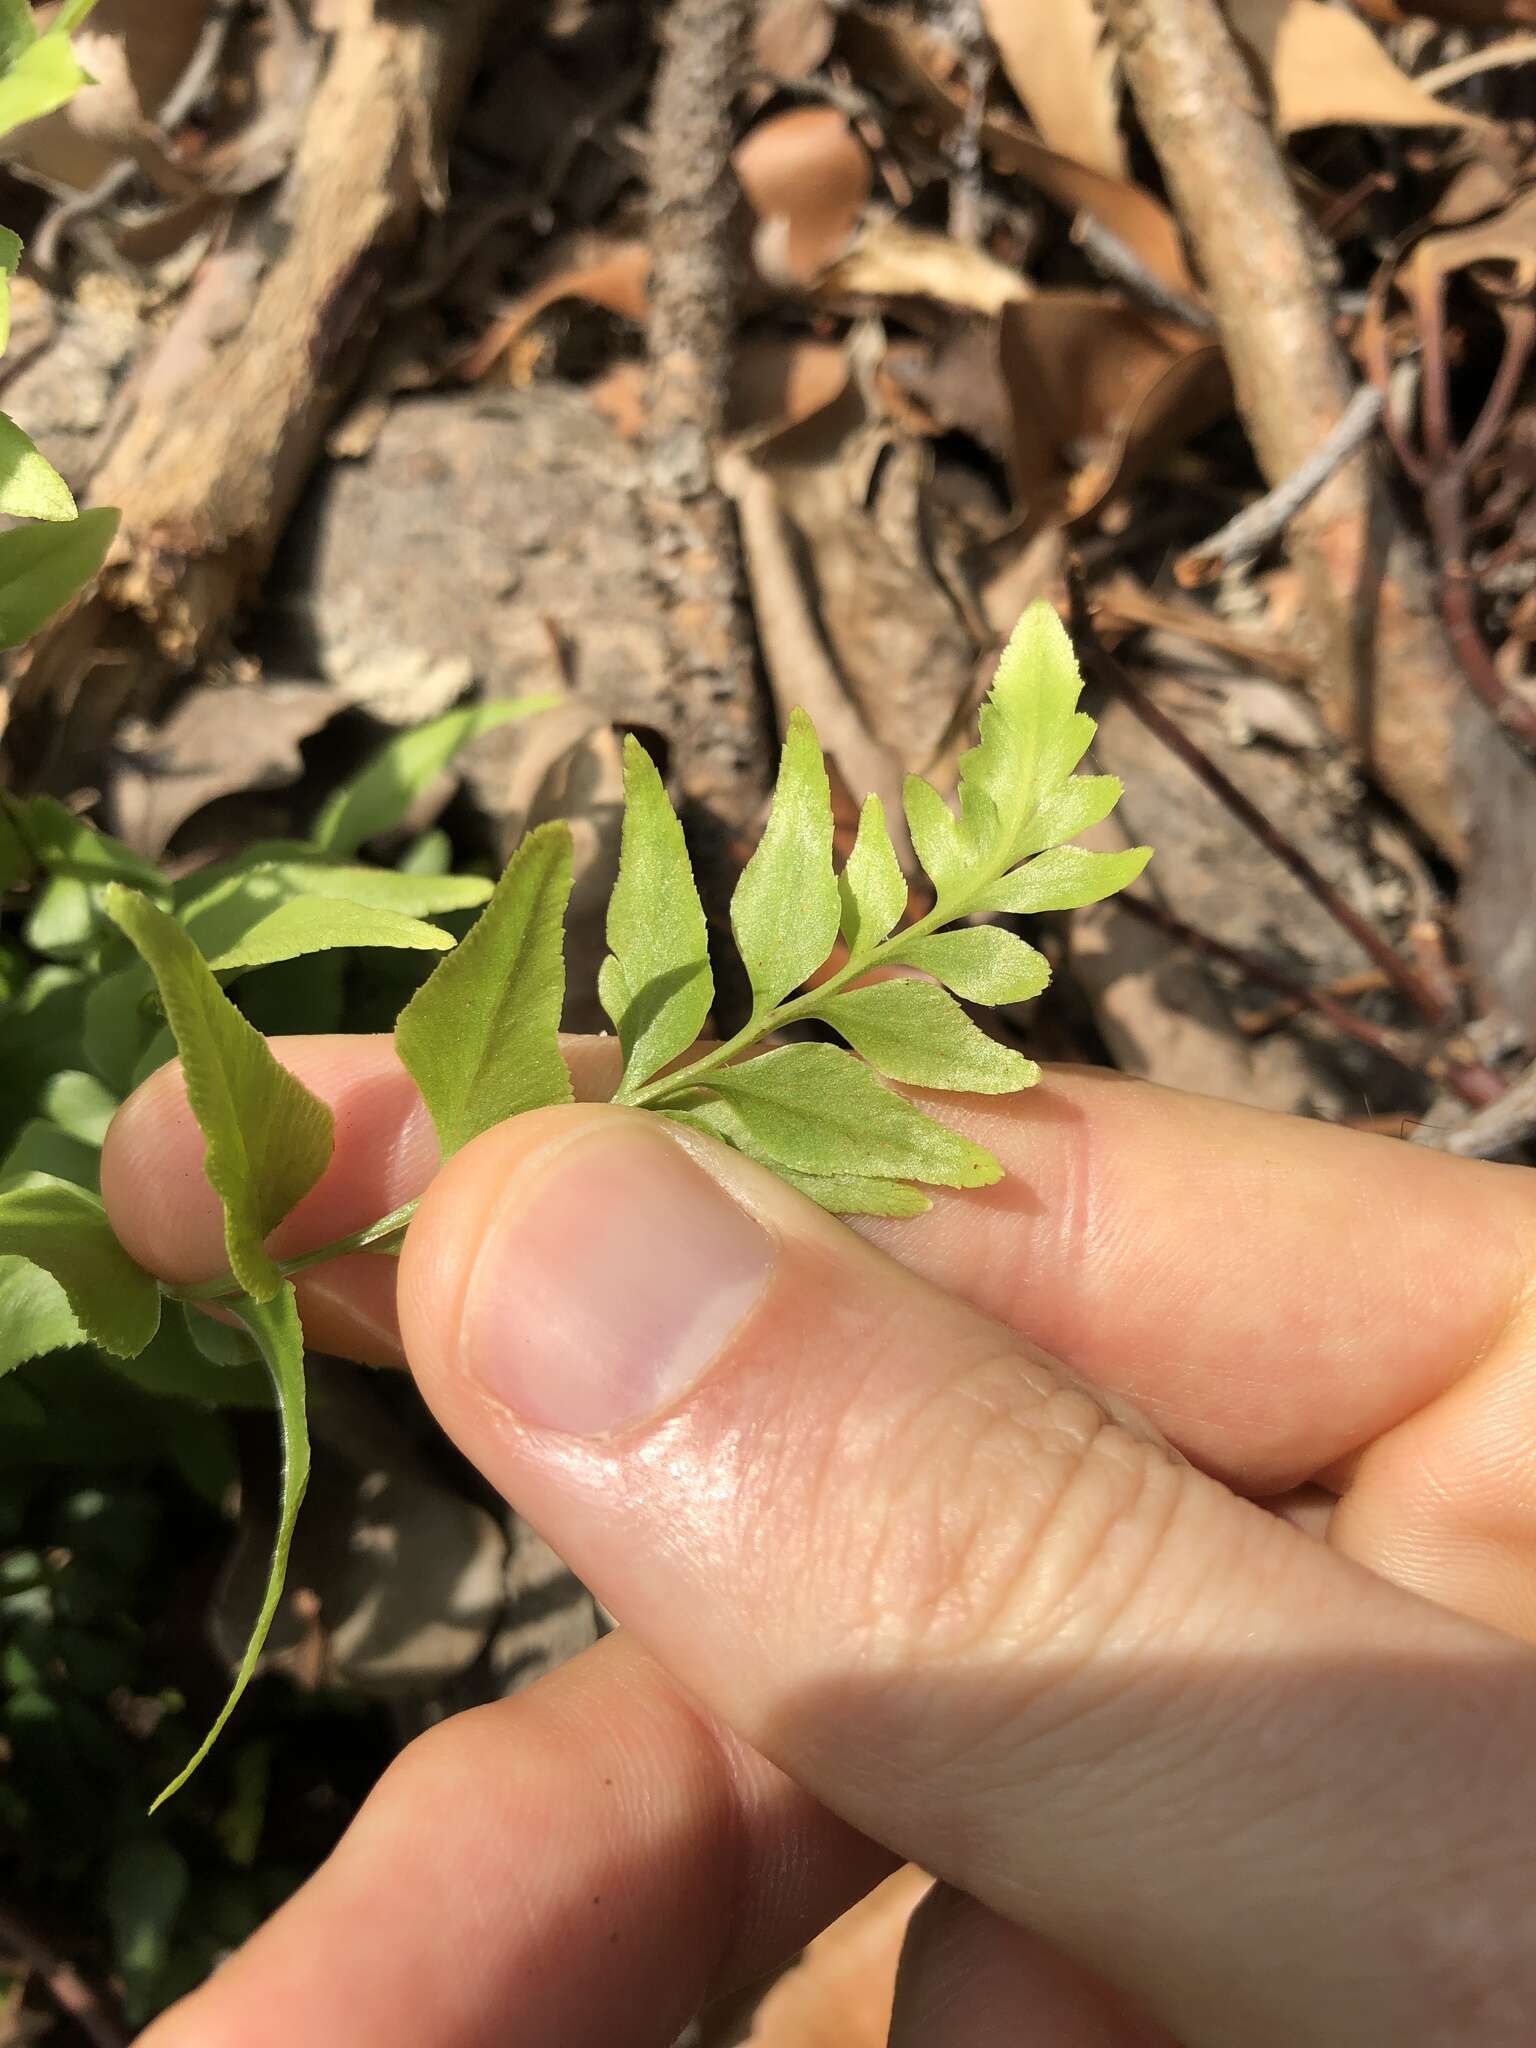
(936, 836)
(35, 1315)
(843, 1194)
(913, 1032)
(1032, 737)
(80, 1105)
(785, 909)
(30, 486)
(275, 1326)
(817, 1109)
(1064, 879)
(982, 963)
(481, 1037)
(41, 1147)
(18, 31)
(64, 1230)
(43, 567)
(872, 887)
(1080, 802)
(377, 798)
(10, 257)
(70, 847)
(219, 908)
(655, 984)
(268, 1138)
(41, 77)
(70, 17)
(319, 924)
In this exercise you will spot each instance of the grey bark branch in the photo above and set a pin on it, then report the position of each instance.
(1260, 523)
(720, 755)
(1387, 681)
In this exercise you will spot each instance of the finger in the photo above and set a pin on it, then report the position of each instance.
(923, 1572)
(1273, 1292)
(970, 1980)
(583, 1866)
(385, 1153)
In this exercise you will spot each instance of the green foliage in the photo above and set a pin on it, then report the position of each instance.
(268, 1138)
(375, 801)
(1019, 800)
(855, 953)
(41, 569)
(274, 1325)
(64, 1230)
(786, 908)
(656, 930)
(481, 1038)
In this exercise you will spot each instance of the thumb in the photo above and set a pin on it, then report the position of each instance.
(997, 1627)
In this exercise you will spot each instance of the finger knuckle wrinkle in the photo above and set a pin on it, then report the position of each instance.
(1011, 1519)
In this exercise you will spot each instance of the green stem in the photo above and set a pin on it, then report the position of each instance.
(381, 1236)
(655, 1094)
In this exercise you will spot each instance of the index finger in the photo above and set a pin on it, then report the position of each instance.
(1273, 1293)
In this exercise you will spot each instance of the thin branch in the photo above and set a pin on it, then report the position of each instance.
(1105, 250)
(1471, 1083)
(1253, 529)
(1501, 1126)
(1387, 681)
(1247, 813)
(720, 749)
(76, 1999)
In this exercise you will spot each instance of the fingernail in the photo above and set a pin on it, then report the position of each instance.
(608, 1282)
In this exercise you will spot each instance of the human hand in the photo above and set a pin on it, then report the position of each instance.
(897, 1585)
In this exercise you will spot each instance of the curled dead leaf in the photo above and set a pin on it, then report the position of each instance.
(1098, 393)
(1324, 67)
(890, 260)
(806, 176)
(1062, 66)
(915, 69)
(613, 277)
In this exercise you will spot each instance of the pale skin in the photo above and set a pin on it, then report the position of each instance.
(908, 1570)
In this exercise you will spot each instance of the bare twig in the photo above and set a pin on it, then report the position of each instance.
(1471, 1083)
(197, 76)
(1386, 679)
(1493, 57)
(1254, 528)
(800, 670)
(1500, 1126)
(1105, 250)
(719, 736)
(76, 1999)
(1403, 977)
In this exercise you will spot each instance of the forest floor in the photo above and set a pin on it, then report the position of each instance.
(780, 356)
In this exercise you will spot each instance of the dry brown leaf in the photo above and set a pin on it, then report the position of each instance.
(779, 383)
(1098, 392)
(614, 277)
(806, 176)
(791, 37)
(220, 739)
(1324, 68)
(916, 69)
(893, 261)
(1062, 66)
